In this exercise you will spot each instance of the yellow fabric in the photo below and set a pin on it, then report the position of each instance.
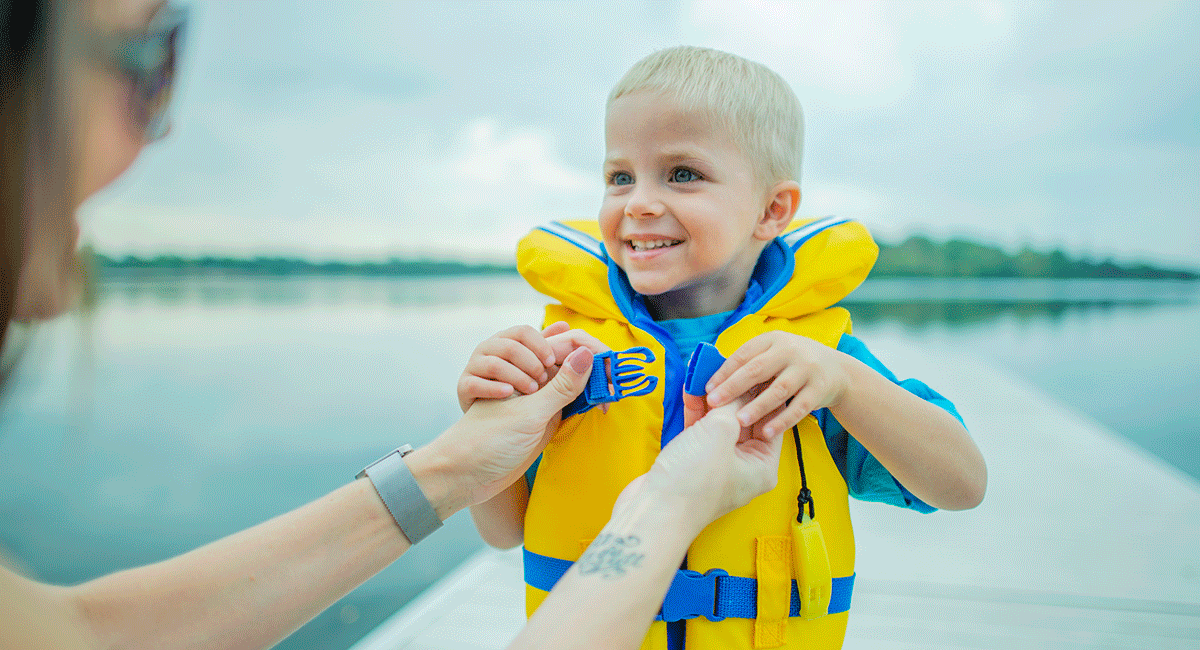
(773, 564)
(593, 456)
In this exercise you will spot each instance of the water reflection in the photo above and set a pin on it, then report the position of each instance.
(918, 304)
(210, 389)
(216, 292)
(919, 316)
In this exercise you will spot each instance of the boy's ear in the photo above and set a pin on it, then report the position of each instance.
(782, 203)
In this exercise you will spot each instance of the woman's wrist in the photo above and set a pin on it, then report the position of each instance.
(650, 506)
(440, 478)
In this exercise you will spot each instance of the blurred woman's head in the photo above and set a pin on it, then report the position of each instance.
(84, 85)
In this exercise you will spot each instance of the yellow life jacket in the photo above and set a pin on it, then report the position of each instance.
(594, 455)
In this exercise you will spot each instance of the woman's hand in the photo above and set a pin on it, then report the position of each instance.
(712, 468)
(519, 360)
(788, 376)
(702, 474)
(495, 441)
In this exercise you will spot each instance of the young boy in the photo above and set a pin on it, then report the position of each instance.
(695, 244)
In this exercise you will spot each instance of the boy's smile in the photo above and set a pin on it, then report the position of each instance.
(684, 213)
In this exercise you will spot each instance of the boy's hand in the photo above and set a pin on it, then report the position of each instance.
(780, 366)
(520, 360)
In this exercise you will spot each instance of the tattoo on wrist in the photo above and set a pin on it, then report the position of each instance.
(611, 556)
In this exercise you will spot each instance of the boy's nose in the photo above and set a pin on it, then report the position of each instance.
(642, 204)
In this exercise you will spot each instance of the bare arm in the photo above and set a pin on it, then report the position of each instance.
(517, 360)
(248, 590)
(925, 448)
(922, 445)
(610, 596)
(253, 588)
(501, 519)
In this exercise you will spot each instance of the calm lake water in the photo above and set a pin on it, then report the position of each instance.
(180, 411)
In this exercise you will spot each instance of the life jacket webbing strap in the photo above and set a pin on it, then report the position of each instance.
(714, 595)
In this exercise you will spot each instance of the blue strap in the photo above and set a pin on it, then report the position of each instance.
(715, 595)
(702, 365)
(615, 375)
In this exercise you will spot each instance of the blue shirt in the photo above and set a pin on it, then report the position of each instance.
(866, 478)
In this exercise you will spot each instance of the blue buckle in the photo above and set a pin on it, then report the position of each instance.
(628, 379)
(692, 594)
(703, 363)
(627, 369)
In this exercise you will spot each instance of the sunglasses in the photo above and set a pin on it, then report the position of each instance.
(150, 60)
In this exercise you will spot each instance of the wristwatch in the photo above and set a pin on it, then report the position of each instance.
(411, 509)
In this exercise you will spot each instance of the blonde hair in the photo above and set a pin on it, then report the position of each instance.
(753, 103)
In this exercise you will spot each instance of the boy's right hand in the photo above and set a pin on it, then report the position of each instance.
(520, 359)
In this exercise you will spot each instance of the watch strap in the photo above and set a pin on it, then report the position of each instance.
(398, 489)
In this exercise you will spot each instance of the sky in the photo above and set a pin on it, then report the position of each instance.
(366, 130)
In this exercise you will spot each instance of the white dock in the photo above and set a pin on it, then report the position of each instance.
(1084, 541)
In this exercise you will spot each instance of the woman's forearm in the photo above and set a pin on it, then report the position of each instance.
(253, 588)
(922, 445)
(610, 596)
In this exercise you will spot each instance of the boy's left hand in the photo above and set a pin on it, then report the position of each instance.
(779, 366)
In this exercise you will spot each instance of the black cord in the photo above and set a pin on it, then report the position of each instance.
(805, 496)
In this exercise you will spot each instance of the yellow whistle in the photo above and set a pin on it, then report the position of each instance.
(814, 579)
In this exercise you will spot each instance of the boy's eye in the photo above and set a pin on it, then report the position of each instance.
(682, 175)
(620, 178)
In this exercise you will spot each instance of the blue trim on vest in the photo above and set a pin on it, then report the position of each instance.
(773, 271)
(586, 242)
(797, 237)
(714, 595)
(633, 307)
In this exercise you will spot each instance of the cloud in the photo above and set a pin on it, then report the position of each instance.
(847, 49)
(457, 126)
(476, 198)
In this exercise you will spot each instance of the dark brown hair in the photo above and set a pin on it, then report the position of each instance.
(22, 60)
(23, 43)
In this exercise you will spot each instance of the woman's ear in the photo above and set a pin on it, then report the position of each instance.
(782, 203)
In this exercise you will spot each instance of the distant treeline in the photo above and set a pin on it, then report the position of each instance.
(278, 266)
(922, 257)
(914, 257)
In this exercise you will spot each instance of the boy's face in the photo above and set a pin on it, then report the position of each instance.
(682, 205)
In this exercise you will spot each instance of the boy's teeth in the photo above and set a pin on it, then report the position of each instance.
(653, 244)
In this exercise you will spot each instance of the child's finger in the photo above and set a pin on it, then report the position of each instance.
(471, 388)
(567, 342)
(497, 369)
(557, 327)
(791, 415)
(756, 430)
(512, 352)
(783, 387)
(533, 340)
(739, 358)
(694, 408)
(759, 369)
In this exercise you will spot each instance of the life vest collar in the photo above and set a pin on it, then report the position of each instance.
(813, 265)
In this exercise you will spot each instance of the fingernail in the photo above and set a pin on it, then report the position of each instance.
(744, 418)
(709, 386)
(549, 361)
(532, 388)
(543, 378)
(580, 359)
(769, 431)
